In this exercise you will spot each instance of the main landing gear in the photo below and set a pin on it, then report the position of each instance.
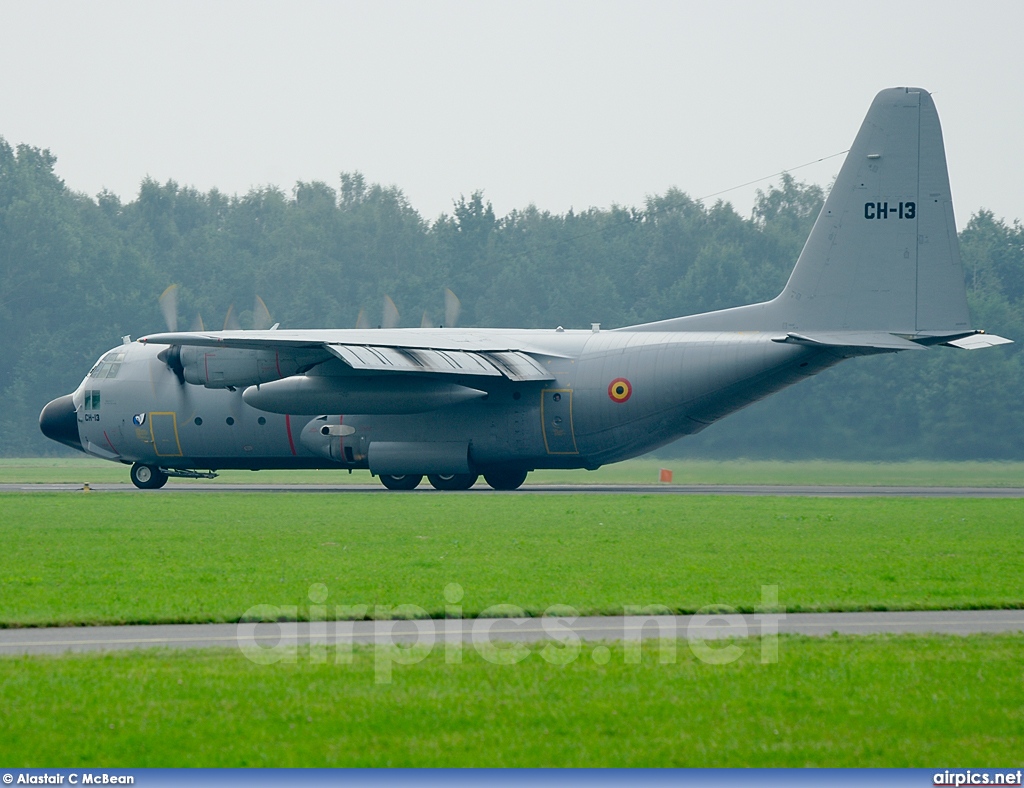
(504, 479)
(452, 481)
(148, 477)
(408, 481)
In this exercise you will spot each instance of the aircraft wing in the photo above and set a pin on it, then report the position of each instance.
(434, 338)
(436, 351)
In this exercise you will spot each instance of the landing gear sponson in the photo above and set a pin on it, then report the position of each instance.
(498, 479)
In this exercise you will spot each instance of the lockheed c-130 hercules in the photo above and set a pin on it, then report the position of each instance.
(879, 273)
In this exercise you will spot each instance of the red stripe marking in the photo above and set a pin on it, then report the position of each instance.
(111, 445)
(288, 427)
(277, 361)
(206, 362)
(341, 439)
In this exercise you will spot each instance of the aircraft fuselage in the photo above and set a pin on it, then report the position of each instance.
(615, 395)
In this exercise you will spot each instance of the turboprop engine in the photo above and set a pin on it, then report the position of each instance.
(220, 368)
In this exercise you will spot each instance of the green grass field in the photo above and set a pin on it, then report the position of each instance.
(836, 701)
(109, 558)
(839, 701)
(640, 471)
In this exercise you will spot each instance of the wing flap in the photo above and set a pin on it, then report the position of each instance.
(518, 366)
(510, 364)
(382, 358)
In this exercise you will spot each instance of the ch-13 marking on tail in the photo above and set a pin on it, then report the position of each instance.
(880, 273)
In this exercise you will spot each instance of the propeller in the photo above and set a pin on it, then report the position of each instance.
(261, 319)
(390, 318)
(361, 320)
(231, 320)
(452, 308)
(426, 322)
(171, 356)
(169, 306)
(168, 301)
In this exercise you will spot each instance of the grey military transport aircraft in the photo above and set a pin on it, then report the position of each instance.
(879, 273)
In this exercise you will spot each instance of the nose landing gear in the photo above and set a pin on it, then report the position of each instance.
(148, 477)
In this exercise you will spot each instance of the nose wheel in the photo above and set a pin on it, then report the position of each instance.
(148, 477)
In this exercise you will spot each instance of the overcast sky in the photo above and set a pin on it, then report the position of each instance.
(556, 103)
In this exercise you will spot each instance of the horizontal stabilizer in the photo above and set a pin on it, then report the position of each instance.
(979, 341)
(871, 341)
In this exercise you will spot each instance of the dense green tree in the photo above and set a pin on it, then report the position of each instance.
(77, 273)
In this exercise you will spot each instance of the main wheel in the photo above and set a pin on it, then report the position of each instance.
(407, 481)
(452, 481)
(148, 477)
(505, 479)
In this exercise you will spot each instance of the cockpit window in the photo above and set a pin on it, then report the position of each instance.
(108, 366)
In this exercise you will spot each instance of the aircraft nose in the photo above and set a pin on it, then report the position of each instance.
(59, 422)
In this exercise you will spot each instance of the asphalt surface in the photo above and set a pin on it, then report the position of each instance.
(55, 640)
(810, 491)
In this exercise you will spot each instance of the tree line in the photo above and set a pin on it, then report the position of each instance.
(79, 272)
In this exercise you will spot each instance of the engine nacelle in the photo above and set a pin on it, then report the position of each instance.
(219, 368)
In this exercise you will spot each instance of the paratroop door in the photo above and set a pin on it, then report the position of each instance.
(556, 421)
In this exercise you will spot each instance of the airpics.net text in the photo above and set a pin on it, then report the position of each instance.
(406, 634)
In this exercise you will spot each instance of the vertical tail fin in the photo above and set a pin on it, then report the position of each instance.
(883, 253)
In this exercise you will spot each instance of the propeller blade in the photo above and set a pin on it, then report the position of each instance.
(169, 306)
(390, 318)
(426, 322)
(197, 324)
(361, 321)
(452, 307)
(231, 320)
(261, 318)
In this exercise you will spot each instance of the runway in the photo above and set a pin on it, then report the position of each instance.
(56, 640)
(805, 491)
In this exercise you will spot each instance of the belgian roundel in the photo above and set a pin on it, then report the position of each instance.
(620, 390)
